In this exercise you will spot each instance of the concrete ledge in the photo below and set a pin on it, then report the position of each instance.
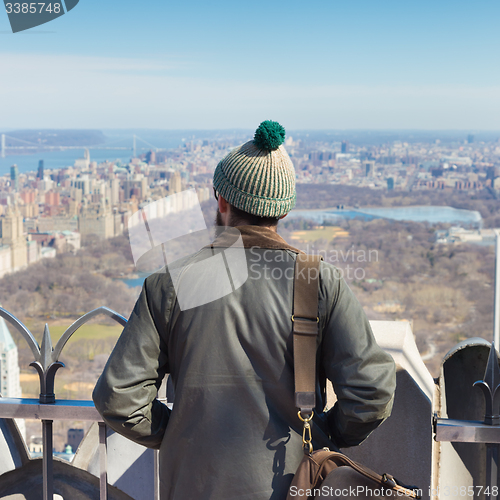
(396, 338)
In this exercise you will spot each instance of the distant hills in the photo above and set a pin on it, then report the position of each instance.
(55, 137)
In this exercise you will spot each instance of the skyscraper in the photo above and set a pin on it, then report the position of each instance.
(369, 168)
(492, 173)
(345, 147)
(175, 183)
(10, 386)
(151, 157)
(39, 175)
(14, 177)
(12, 234)
(470, 139)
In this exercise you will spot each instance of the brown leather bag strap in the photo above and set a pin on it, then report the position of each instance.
(305, 321)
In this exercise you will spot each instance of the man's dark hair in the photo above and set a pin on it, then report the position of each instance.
(241, 218)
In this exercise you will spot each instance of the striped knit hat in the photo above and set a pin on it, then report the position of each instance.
(258, 177)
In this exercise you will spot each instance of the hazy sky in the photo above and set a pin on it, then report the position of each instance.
(414, 64)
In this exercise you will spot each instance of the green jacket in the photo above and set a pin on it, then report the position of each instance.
(234, 432)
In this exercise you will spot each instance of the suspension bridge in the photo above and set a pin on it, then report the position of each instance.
(22, 145)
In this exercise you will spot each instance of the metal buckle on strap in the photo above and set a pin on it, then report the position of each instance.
(305, 326)
(409, 491)
(306, 433)
(389, 480)
(305, 319)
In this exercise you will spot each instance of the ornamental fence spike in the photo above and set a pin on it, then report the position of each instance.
(46, 361)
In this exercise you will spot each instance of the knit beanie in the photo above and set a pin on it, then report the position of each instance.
(258, 177)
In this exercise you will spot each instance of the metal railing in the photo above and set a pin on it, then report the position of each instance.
(47, 409)
(487, 431)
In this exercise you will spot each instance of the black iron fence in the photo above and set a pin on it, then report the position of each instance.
(48, 409)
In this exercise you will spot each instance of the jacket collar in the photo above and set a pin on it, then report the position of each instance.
(252, 236)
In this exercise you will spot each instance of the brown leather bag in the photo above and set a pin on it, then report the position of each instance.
(324, 473)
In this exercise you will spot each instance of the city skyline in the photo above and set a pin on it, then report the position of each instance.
(221, 65)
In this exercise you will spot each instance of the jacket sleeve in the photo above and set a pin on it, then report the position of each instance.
(362, 374)
(125, 394)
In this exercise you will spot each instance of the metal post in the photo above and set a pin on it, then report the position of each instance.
(161, 396)
(48, 464)
(157, 475)
(496, 321)
(491, 467)
(490, 385)
(103, 463)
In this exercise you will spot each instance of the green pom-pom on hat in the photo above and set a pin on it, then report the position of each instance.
(270, 135)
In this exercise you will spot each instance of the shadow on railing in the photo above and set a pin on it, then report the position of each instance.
(46, 408)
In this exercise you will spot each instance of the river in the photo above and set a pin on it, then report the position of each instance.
(430, 214)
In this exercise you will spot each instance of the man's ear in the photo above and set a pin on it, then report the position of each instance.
(223, 205)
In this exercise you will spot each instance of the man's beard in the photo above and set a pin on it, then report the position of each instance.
(218, 218)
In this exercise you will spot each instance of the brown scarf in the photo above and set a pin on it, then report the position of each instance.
(253, 236)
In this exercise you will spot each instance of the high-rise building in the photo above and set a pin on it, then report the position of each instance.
(83, 163)
(144, 188)
(470, 139)
(75, 437)
(52, 198)
(10, 386)
(175, 184)
(5, 260)
(390, 183)
(151, 158)
(14, 177)
(28, 195)
(39, 175)
(114, 191)
(32, 253)
(345, 147)
(128, 185)
(12, 234)
(492, 173)
(369, 168)
(83, 183)
(102, 225)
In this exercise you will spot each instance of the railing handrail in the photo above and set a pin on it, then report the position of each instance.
(62, 409)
